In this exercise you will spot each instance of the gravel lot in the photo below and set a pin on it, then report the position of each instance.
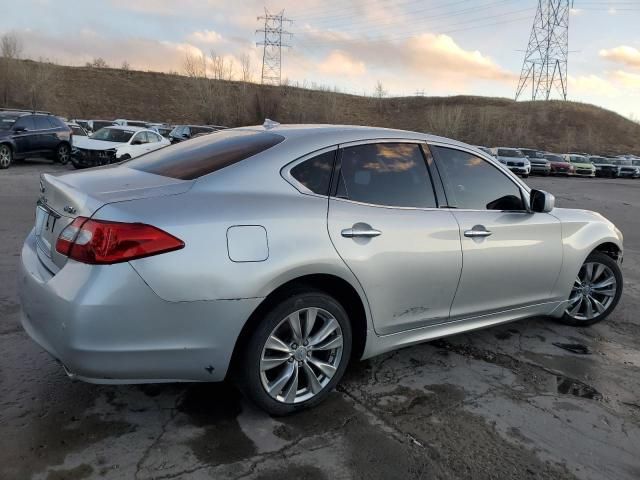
(507, 402)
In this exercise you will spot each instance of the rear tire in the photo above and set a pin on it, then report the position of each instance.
(63, 154)
(6, 156)
(596, 291)
(282, 371)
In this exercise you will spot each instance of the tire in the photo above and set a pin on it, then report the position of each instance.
(605, 274)
(63, 153)
(525, 175)
(124, 157)
(6, 156)
(296, 365)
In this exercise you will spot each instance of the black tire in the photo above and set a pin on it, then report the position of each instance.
(248, 375)
(604, 259)
(525, 175)
(6, 156)
(63, 153)
(126, 156)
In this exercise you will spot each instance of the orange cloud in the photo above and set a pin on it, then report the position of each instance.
(623, 54)
(340, 63)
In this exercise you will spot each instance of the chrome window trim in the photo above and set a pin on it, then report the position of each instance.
(285, 172)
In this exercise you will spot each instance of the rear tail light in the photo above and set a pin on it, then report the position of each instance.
(104, 242)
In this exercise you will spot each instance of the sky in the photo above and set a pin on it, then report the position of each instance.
(430, 47)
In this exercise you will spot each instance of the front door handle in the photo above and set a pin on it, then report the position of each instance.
(360, 230)
(477, 231)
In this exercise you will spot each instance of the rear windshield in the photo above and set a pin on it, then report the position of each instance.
(6, 122)
(510, 153)
(203, 155)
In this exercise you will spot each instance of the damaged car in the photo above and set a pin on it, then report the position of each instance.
(114, 144)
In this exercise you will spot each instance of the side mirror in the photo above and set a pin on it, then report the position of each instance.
(541, 201)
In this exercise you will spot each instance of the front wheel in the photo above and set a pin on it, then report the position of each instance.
(297, 354)
(596, 291)
(63, 153)
(6, 156)
(525, 175)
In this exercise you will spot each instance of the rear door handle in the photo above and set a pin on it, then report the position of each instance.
(366, 232)
(477, 232)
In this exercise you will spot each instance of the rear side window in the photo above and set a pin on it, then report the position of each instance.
(204, 155)
(315, 173)
(390, 174)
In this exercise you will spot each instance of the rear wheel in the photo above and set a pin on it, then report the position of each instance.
(297, 354)
(6, 156)
(596, 291)
(63, 153)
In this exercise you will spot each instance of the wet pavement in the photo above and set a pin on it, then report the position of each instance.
(528, 400)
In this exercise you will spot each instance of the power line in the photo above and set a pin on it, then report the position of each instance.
(272, 46)
(545, 62)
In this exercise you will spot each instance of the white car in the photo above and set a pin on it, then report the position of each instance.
(114, 144)
(514, 159)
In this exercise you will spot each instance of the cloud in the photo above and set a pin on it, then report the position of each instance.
(591, 84)
(630, 80)
(340, 63)
(624, 54)
(205, 37)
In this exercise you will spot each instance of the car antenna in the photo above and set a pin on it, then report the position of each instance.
(268, 123)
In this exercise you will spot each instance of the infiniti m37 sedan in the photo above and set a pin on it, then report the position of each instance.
(274, 255)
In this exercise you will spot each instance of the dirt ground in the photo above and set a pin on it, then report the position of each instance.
(528, 400)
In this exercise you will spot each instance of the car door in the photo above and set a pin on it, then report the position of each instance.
(384, 222)
(153, 141)
(138, 144)
(47, 136)
(24, 135)
(511, 256)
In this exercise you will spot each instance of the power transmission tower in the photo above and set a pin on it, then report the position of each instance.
(272, 46)
(545, 62)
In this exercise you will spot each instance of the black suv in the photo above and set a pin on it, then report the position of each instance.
(33, 134)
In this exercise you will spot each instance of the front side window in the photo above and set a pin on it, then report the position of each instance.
(139, 138)
(315, 173)
(25, 122)
(389, 174)
(108, 134)
(473, 183)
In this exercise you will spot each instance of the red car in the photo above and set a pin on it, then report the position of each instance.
(558, 164)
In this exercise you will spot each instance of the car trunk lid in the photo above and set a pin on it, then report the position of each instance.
(63, 198)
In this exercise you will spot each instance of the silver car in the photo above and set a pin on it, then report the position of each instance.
(274, 255)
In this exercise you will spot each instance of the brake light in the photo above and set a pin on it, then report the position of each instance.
(104, 242)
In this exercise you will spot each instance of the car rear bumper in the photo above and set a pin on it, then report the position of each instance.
(520, 170)
(540, 168)
(105, 325)
(584, 173)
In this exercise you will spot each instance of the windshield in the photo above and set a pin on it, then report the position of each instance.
(635, 163)
(510, 153)
(6, 122)
(598, 160)
(113, 135)
(554, 158)
(577, 159)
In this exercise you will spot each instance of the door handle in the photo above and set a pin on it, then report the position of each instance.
(477, 232)
(360, 232)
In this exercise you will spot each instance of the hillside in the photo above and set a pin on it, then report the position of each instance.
(111, 93)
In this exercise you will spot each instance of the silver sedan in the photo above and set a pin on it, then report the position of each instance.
(274, 255)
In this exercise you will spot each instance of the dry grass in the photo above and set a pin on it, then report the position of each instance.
(114, 93)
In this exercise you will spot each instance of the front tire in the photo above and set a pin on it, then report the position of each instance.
(596, 291)
(297, 354)
(6, 156)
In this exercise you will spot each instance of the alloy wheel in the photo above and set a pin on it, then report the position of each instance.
(5, 156)
(593, 292)
(301, 355)
(63, 154)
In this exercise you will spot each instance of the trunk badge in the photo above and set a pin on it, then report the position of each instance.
(69, 209)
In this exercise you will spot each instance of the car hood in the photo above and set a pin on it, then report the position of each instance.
(582, 165)
(91, 144)
(557, 163)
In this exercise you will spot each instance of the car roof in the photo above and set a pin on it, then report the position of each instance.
(336, 134)
(129, 128)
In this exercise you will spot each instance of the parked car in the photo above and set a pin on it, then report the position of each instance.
(539, 164)
(26, 134)
(486, 150)
(558, 165)
(161, 128)
(273, 256)
(629, 171)
(77, 130)
(114, 144)
(582, 166)
(514, 159)
(83, 123)
(181, 133)
(131, 123)
(605, 167)
(95, 125)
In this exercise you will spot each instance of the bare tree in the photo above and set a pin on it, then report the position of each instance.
(97, 62)
(38, 81)
(10, 51)
(379, 93)
(245, 66)
(125, 66)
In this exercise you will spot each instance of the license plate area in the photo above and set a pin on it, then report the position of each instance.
(45, 226)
